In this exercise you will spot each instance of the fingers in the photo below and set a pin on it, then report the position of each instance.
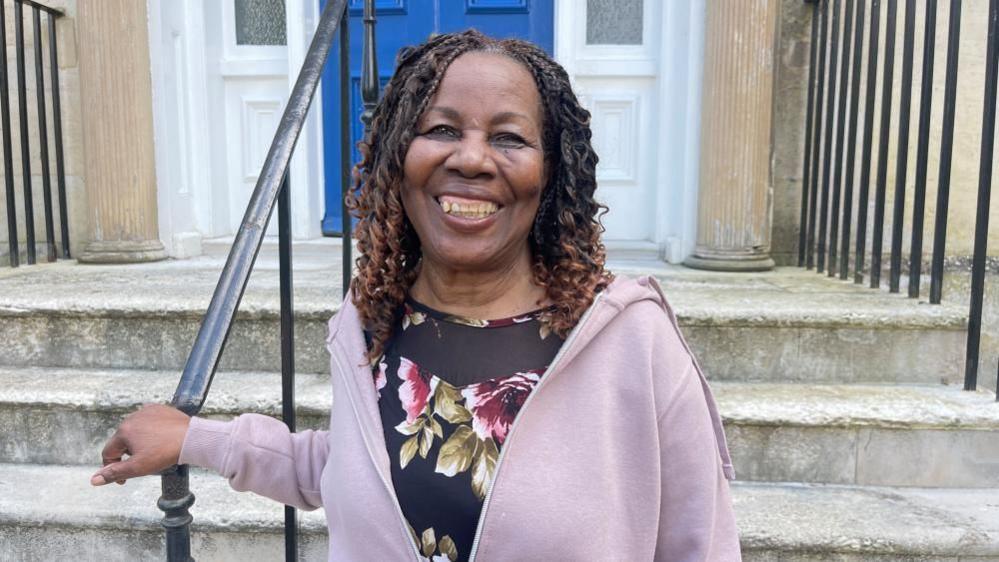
(114, 449)
(117, 472)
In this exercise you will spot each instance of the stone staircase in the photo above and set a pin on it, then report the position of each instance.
(850, 436)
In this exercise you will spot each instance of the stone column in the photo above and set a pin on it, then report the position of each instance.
(117, 121)
(734, 199)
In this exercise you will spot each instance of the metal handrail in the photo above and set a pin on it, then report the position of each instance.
(209, 344)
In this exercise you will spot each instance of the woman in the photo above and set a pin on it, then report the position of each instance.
(475, 201)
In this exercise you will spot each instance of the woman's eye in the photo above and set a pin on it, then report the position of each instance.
(442, 131)
(509, 140)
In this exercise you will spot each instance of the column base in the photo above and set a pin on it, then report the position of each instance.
(731, 263)
(122, 251)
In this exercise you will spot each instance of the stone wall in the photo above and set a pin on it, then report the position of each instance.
(69, 90)
(789, 126)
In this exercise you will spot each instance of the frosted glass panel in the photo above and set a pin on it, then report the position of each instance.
(614, 22)
(260, 22)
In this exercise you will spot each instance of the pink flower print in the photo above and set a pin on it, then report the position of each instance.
(494, 403)
(416, 388)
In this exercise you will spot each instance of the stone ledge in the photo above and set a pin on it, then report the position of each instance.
(785, 519)
(856, 405)
(124, 390)
(868, 521)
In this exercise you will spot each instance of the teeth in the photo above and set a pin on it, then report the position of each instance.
(469, 210)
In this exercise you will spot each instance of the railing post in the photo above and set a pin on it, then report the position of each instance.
(902, 155)
(8, 153)
(174, 502)
(830, 139)
(823, 12)
(22, 106)
(851, 150)
(809, 122)
(984, 196)
(841, 119)
(946, 153)
(57, 131)
(287, 347)
(43, 136)
(865, 158)
(877, 236)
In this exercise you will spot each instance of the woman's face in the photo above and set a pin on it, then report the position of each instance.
(474, 173)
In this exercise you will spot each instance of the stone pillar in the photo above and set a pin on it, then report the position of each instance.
(734, 199)
(117, 121)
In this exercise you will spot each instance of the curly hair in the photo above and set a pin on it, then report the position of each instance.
(568, 255)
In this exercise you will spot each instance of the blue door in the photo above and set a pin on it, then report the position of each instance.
(407, 22)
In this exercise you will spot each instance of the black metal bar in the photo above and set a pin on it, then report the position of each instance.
(57, 131)
(345, 159)
(851, 150)
(287, 348)
(922, 150)
(22, 106)
(175, 501)
(865, 159)
(984, 196)
(902, 157)
(8, 156)
(42, 7)
(841, 119)
(888, 72)
(946, 153)
(828, 157)
(816, 144)
(809, 121)
(210, 341)
(43, 137)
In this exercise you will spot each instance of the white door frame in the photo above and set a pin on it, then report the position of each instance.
(674, 60)
(194, 157)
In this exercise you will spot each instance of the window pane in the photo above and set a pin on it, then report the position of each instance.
(260, 22)
(614, 22)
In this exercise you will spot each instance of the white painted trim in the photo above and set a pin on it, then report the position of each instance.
(183, 168)
(306, 169)
(680, 121)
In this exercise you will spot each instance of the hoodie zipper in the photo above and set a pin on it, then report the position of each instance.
(404, 525)
(513, 427)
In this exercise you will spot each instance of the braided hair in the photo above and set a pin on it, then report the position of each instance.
(568, 255)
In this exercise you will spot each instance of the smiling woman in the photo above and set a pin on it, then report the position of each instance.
(499, 395)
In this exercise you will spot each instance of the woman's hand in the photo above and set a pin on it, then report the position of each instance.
(151, 437)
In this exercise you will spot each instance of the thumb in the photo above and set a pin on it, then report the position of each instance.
(116, 472)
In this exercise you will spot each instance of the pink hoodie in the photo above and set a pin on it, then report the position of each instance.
(618, 454)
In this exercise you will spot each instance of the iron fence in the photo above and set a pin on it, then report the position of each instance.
(271, 188)
(24, 130)
(833, 108)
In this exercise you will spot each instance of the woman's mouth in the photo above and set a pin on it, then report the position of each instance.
(467, 208)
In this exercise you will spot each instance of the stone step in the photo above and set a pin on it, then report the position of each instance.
(64, 416)
(51, 513)
(881, 435)
(780, 326)
(840, 434)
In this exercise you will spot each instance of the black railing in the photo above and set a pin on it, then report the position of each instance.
(24, 130)
(838, 28)
(271, 188)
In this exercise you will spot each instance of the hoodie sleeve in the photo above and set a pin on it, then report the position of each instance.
(696, 521)
(258, 454)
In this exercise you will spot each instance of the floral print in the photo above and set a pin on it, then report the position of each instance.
(495, 403)
(445, 438)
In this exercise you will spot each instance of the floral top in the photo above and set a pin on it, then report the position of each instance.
(449, 389)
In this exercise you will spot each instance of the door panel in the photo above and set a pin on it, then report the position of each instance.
(406, 22)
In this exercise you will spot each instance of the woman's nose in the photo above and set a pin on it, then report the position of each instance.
(472, 157)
